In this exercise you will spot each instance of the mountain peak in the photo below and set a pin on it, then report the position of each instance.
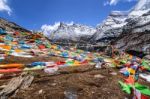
(67, 31)
(142, 5)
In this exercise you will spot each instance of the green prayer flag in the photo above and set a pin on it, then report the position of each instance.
(125, 87)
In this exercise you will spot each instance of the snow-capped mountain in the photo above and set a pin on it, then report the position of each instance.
(136, 33)
(119, 21)
(128, 29)
(68, 31)
(139, 17)
(111, 27)
(141, 7)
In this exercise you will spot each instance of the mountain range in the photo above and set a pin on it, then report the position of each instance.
(68, 31)
(127, 30)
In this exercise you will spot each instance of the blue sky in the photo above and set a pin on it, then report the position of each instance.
(32, 14)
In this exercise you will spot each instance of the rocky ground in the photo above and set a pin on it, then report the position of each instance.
(82, 82)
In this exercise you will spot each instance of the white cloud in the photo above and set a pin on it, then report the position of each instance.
(106, 3)
(114, 2)
(4, 7)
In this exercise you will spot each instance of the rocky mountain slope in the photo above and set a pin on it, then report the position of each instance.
(118, 21)
(69, 32)
(11, 26)
(136, 33)
(129, 30)
(111, 27)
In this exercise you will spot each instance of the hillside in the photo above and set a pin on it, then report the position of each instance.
(11, 26)
(38, 65)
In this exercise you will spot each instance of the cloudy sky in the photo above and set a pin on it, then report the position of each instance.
(32, 14)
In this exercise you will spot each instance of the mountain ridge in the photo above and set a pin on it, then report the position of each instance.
(72, 32)
(11, 26)
(121, 27)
